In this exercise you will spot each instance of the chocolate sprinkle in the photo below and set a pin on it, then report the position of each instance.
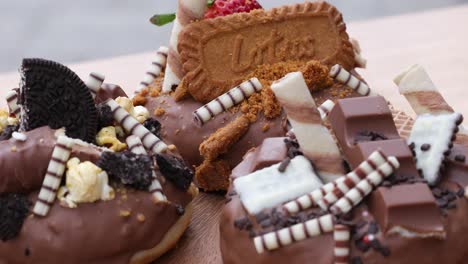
(180, 209)
(425, 147)
(243, 224)
(284, 165)
(293, 148)
(365, 136)
(175, 170)
(14, 209)
(460, 158)
(27, 252)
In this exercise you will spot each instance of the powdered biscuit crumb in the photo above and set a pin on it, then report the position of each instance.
(159, 111)
(139, 99)
(213, 175)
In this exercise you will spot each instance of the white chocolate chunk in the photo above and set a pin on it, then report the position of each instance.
(432, 136)
(225, 101)
(414, 79)
(155, 69)
(19, 136)
(339, 74)
(94, 83)
(269, 187)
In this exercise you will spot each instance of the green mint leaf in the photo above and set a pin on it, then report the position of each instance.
(210, 2)
(162, 19)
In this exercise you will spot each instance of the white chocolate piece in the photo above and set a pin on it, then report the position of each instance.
(12, 101)
(418, 88)
(141, 113)
(136, 146)
(312, 199)
(94, 83)
(269, 187)
(187, 11)
(19, 136)
(365, 187)
(133, 127)
(339, 74)
(437, 132)
(298, 232)
(361, 62)
(227, 100)
(375, 160)
(325, 108)
(155, 69)
(294, 95)
(53, 177)
(342, 238)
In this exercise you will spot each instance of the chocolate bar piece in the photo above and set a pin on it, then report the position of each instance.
(365, 124)
(407, 210)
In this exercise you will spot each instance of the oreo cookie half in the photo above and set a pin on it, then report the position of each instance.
(53, 95)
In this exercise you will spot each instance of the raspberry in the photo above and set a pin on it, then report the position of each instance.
(228, 7)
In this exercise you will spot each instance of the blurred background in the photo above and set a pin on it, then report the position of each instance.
(74, 31)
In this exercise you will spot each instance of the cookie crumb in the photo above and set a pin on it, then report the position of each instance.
(141, 218)
(159, 111)
(139, 99)
(13, 149)
(125, 213)
(266, 127)
(213, 175)
(172, 147)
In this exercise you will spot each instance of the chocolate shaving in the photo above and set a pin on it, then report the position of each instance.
(365, 136)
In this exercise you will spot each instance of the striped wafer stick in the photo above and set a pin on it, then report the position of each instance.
(365, 187)
(12, 101)
(94, 82)
(135, 146)
(133, 127)
(227, 100)
(187, 11)
(325, 108)
(423, 96)
(338, 73)
(289, 235)
(375, 160)
(312, 199)
(53, 177)
(342, 237)
(294, 95)
(155, 69)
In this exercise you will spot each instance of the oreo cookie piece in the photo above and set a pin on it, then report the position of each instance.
(175, 170)
(105, 116)
(153, 126)
(14, 209)
(8, 132)
(53, 95)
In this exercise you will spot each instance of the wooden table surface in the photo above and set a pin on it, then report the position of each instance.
(436, 39)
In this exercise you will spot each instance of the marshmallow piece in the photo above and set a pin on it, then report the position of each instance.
(314, 198)
(365, 187)
(289, 235)
(12, 101)
(431, 137)
(19, 136)
(325, 108)
(135, 146)
(53, 177)
(339, 74)
(94, 83)
(269, 187)
(294, 95)
(155, 69)
(342, 238)
(418, 88)
(132, 126)
(227, 100)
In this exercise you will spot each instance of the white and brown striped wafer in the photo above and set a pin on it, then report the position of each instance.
(12, 101)
(365, 187)
(155, 69)
(423, 96)
(289, 235)
(293, 94)
(187, 11)
(325, 108)
(94, 83)
(313, 199)
(227, 100)
(133, 127)
(403, 122)
(342, 238)
(53, 177)
(341, 75)
(136, 146)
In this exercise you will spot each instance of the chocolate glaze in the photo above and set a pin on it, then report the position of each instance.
(238, 248)
(109, 91)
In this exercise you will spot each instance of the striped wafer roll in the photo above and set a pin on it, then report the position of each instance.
(423, 96)
(294, 95)
(227, 100)
(94, 83)
(314, 198)
(365, 187)
(373, 162)
(136, 146)
(133, 127)
(289, 235)
(187, 11)
(342, 237)
(53, 177)
(12, 101)
(339, 74)
(325, 108)
(155, 69)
